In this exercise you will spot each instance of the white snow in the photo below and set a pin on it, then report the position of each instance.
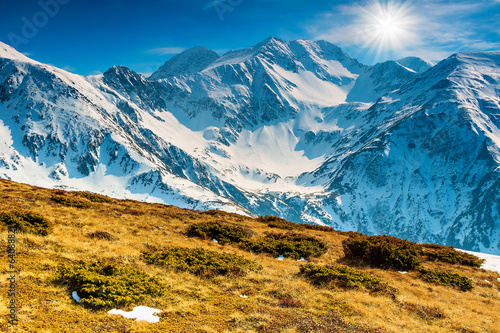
(492, 262)
(139, 313)
(9, 52)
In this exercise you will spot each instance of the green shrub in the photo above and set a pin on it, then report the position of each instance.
(352, 234)
(318, 227)
(67, 201)
(221, 232)
(270, 218)
(26, 222)
(105, 285)
(200, 262)
(446, 279)
(94, 197)
(450, 255)
(285, 225)
(382, 251)
(338, 275)
(279, 223)
(289, 245)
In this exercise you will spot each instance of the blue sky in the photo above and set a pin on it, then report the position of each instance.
(89, 36)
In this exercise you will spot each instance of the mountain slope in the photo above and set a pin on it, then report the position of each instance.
(276, 298)
(296, 129)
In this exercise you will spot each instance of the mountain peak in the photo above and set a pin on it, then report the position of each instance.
(416, 64)
(8, 52)
(187, 62)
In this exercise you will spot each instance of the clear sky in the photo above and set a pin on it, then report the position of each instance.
(89, 36)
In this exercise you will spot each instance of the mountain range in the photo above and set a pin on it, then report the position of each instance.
(297, 129)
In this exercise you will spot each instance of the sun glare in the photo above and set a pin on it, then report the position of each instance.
(387, 28)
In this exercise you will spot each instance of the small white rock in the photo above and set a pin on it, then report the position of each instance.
(243, 296)
(281, 257)
(75, 296)
(302, 259)
(215, 240)
(402, 272)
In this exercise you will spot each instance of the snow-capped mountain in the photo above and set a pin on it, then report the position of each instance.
(296, 129)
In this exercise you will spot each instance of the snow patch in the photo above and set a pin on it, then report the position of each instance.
(139, 313)
(492, 262)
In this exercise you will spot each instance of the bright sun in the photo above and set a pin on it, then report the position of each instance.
(387, 27)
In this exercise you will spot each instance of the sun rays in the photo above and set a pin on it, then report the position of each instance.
(386, 28)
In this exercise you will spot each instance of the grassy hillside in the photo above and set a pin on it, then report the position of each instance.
(125, 253)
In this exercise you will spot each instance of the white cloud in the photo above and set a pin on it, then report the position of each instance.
(69, 68)
(95, 72)
(166, 50)
(438, 28)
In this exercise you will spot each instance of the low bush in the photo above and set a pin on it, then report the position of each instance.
(94, 197)
(270, 218)
(200, 262)
(105, 285)
(352, 234)
(318, 227)
(26, 222)
(450, 255)
(279, 223)
(289, 245)
(68, 201)
(338, 275)
(221, 232)
(446, 279)
(382, 251)
(285, 225)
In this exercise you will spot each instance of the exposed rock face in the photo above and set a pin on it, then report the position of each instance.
(296, 129)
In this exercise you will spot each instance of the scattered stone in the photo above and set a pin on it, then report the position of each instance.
(75, 296)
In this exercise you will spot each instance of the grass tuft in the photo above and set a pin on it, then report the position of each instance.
(101, 235)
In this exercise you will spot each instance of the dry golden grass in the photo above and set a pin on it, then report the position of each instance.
(197, 304)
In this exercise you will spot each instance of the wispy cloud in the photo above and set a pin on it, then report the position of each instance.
(439, 27)
(69, 68)
(166, 50)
